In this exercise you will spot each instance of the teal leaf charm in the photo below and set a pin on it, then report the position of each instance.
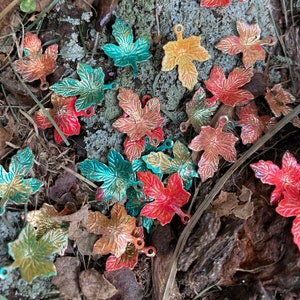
(159, 162)
(116, 177)
(199, 113)
(90, 88)
(127, 53)
(13, 186)
(30, 254)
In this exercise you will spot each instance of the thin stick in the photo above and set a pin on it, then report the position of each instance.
(171, 274)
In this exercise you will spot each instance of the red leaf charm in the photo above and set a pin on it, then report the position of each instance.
(167, 200)
(116, 232)
(248, 43)
(253, 126)
(214, 142)
(134, 149)
(64, 114)
(296, 231)
(285, 179)
(227, 90)
(213, 3)
(138, 121)
(36, 65)
(130, 257)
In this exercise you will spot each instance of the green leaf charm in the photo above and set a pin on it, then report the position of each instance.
(91, 87)
(13, 186)
(127, 53)
(159, 162)
(116, 177)
(30, 254)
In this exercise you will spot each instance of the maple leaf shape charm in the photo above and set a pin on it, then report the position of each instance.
(127, 53)
(227, 90)
(30, 253)
(285, 179)
(159, 162)
(13, 186)
(167, 200)
(65, 116)
(182, 53)
(248, 43)
(129, 258)
(198, 112)
(116, 231)
(91, 87)
(289, 206)
(36, 65)
(137, 121)
(278, 100)
(116, 177)
(213, 3)
(253, 126)
(214, 142)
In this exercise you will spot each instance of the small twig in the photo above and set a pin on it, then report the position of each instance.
(171, 274)
(8, 8)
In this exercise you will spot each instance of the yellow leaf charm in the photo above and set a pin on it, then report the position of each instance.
(182, 53)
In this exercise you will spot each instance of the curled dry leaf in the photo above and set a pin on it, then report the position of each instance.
(7, 132)
(67, 268)
(253, 125)
(285, 179)
(104, 11)
(36, 65)
(182, 53)
(95, 286)
(214, 142)
(227, 90)
(248, 43)
(167, 200)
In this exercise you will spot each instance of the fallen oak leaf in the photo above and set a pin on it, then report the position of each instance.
(248, 43)
(167, 200)
(116, 231)
(228, 90)
(285, 179)
(182, 53)
(214, 142)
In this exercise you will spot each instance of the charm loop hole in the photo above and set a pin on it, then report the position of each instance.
(178, 28)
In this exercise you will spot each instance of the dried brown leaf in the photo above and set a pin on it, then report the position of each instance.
(67, 272)
(6, 132)
(95, 286)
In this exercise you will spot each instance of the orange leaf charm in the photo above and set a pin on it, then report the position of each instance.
(278, 99)
(214, 142)
(248, 43)
(227, 90)
(36, 65)
(116, 232)
(182, 53)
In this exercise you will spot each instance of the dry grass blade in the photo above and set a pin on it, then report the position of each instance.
(171, 275)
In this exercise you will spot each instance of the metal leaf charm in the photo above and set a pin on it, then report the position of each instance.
(214, 142)
(182, 53)
(30, 254)
(137, 121)
(227, 90)
(248, 43)
(116, 231)
(36, 65)
(167, 200)
(13, 186)
(127, 53)
(198, 112)
(130, 257)
(65, 116)
(182, 163)
(116, 177)
(90, 88)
